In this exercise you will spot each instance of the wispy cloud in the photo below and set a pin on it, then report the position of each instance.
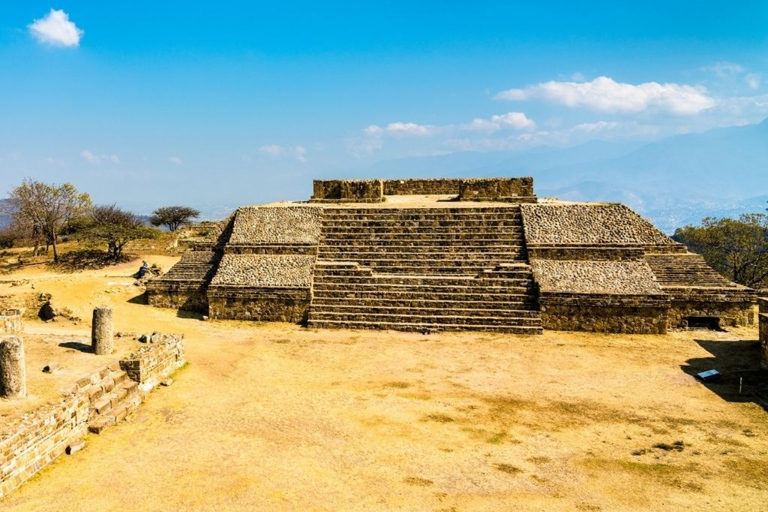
(606, 95)
(753, 80)
(724, 69)
(513, 120)
(175, 160)
(90, 157)
(401, 130)
(275, 151)
(56, 29)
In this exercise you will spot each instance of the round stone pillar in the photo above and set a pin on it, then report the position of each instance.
(102, 338)
(13, 373)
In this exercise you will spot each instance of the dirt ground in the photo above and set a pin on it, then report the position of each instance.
(278, 417)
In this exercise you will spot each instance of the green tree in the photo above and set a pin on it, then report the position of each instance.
(116, 228)
(43, 210)
(173, 217)
(737, 249)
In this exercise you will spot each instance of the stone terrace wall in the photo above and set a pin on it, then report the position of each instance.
(276, 225)
(497, 189)
(264, 287)
(348, 191)
(588, 225)
(466, 189)
(600, 296)
(35, 440)
(764, 332)
(10, 321)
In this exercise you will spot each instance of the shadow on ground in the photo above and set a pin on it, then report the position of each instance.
(738, 362)
(82, 347)
(139, 299)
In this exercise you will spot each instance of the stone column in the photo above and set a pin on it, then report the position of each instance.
(102, 339)
(13, 374)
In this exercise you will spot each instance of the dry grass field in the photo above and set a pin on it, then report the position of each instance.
(277, 417)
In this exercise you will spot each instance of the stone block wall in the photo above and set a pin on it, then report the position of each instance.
(10, 321)
(606, 315)
(260, 304)
(34, 440)
(154, 363)
(189, 296)
(466, 189)
(422, 187)
(496, 189)
(348, 191)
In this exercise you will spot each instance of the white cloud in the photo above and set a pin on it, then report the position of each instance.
(274, 151)
(514, 120)
(99, 159)
(56, 29)
(753, 80)
(606, 95)
(175, 160)
(401, 130)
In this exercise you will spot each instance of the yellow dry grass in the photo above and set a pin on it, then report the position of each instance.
(277, 417)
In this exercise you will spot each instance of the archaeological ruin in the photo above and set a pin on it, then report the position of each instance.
(428, 255)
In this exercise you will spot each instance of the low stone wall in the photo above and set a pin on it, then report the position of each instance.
(607, 314)
(734, 308)
(35, 440)
(465, 189)
(422, 187)
(763, 302)
(189, 296)
(348, 191)
(260, 304)
(10, 321)
(155, 362)
(497, 189)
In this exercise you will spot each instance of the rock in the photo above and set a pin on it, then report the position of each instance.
(47, 311)
(51, 368)
(144, 338)
(156, 337)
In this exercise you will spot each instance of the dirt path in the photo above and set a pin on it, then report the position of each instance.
(275, 417)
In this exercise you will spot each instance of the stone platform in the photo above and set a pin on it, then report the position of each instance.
(428, 255)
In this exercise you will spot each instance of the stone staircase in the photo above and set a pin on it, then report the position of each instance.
(685, 270)
(112, 396)
(424, 269)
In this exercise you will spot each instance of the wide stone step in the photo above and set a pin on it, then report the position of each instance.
(423, 282)
(449, 309)
(423, 327)
(420, 228)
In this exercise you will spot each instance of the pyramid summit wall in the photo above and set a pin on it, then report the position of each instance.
(429, 259)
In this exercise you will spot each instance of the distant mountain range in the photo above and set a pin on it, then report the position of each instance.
(675, 181)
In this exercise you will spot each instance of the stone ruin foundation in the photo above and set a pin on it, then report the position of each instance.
(10, 321)
(471, 254)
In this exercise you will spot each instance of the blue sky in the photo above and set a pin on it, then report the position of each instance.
(147, 103)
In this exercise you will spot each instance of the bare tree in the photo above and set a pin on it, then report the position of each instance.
(43, 210)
